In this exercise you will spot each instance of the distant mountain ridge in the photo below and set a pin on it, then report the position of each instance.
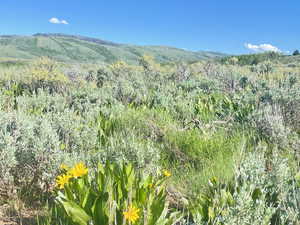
(77, 48)
(95, 40)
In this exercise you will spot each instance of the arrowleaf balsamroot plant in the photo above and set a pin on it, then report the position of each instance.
(115, 194)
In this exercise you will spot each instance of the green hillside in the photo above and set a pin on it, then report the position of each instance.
(71, 48)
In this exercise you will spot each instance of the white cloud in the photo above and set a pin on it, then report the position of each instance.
(64, 22)
(262, 48)
(57, 21)
(54, 20)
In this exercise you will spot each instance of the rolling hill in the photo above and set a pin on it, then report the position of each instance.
(74, 48)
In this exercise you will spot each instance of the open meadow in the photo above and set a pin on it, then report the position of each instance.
(211, 142)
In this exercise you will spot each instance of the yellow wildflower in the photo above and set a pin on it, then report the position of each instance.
(132, 214)
(62, 180)
(78, 170)
(166, 173)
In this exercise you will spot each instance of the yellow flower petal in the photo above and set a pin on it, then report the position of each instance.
(78, 170)
(62, 180)
(132, 214)
(166, 173)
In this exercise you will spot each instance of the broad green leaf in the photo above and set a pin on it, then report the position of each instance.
(76, 213)
(99, 215)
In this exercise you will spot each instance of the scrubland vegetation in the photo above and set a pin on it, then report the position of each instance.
(201, 143)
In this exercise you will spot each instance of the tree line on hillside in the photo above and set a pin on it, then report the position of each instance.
(250, 59)
(254, 59)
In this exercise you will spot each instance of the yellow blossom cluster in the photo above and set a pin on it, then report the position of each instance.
(79, 170)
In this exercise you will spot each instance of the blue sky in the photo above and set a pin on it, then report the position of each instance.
(215, 25)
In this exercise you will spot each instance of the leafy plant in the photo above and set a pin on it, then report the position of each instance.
(211, 206)
(118, 194)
